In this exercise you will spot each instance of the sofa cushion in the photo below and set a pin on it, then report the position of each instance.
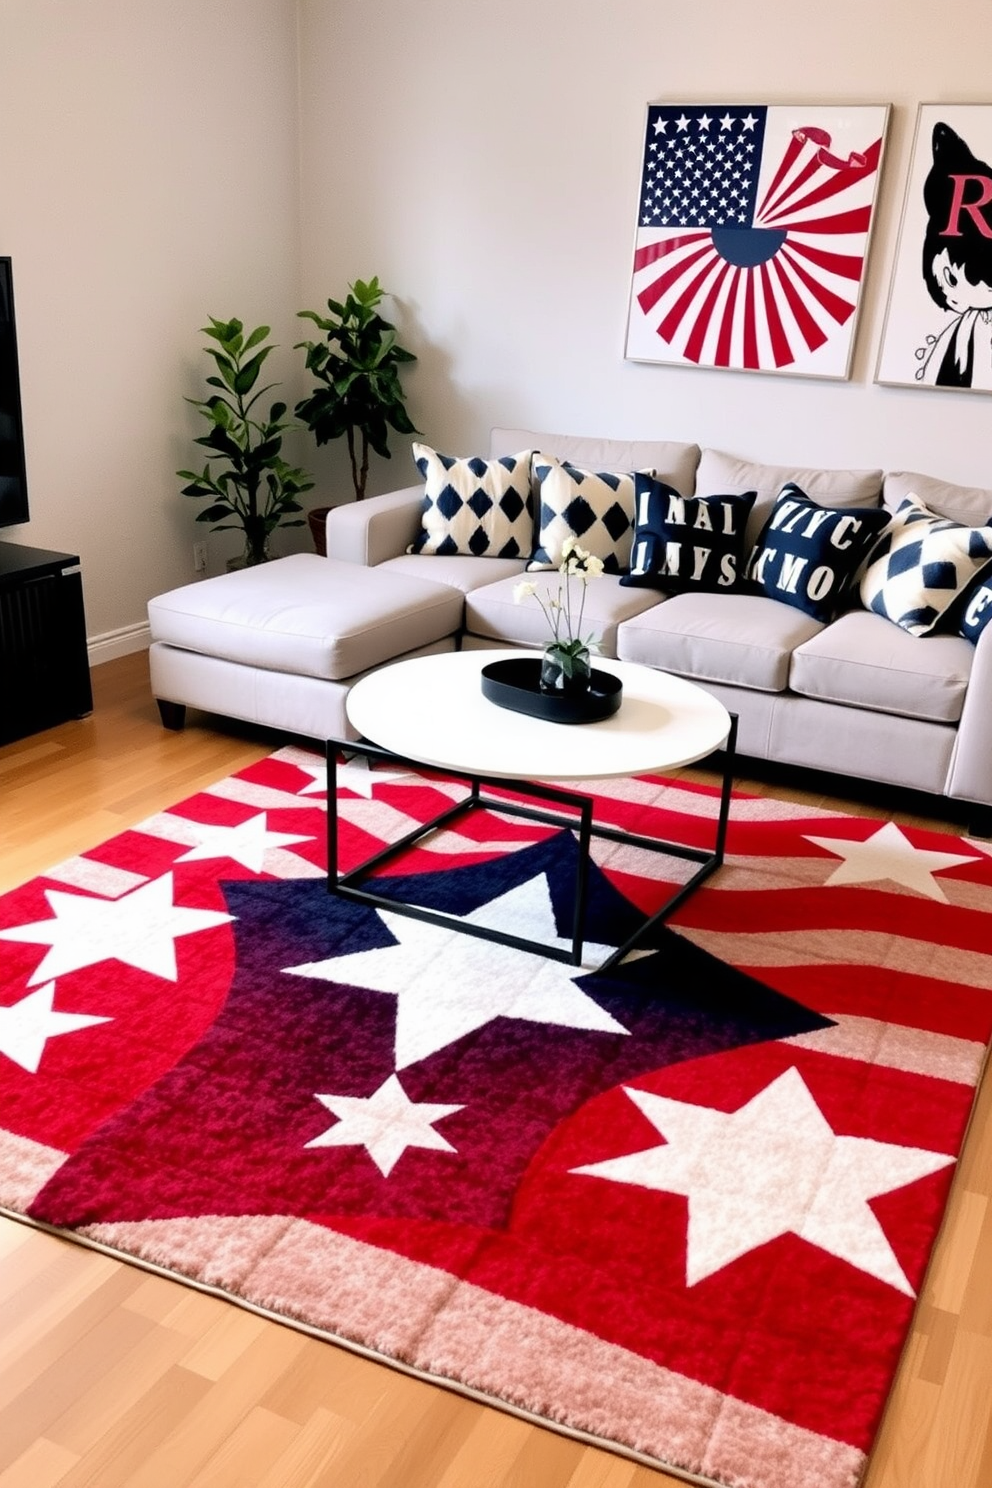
(595, 507)
(686, 542)
(461, 573)
(808, 555)
(475, 507)
(720, 472)
(976, 607)
(743, 639)
(864, 661)
(971, 505)
(920, 566)
(493, 612)
(304, 614)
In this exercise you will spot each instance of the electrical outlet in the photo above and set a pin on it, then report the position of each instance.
(199, 557)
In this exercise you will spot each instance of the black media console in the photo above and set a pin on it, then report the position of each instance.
(44, 669)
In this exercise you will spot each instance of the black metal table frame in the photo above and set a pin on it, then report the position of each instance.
(579, 805)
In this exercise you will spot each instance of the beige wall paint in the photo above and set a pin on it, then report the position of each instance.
(484, 160)
(148, 179)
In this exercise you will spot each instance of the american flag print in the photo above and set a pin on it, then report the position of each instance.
(752, 234)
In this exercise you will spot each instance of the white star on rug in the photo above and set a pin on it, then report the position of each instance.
(139, 929)
(888, 854)
(356, 775)
(247, 843)
(386, 1123)
(26, 1026)
(448, 984)
(771, 1168)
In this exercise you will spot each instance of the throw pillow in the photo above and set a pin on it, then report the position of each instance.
(686, 542)
(475, 507)
(976, 609)
(921, 565)
(594, 507)
(808, 555)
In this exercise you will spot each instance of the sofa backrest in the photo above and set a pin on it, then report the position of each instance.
(675, 462)
(971, 505)
(719, 474)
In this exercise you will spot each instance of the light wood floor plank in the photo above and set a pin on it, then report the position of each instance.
(114, 1378)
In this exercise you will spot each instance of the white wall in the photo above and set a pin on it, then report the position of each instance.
(148, 179)
(483, 160)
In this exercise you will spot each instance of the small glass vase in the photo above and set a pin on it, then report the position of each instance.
(253, 554)
(565, 672)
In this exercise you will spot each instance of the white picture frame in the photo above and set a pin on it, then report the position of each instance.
(754, 224)
(938, 322)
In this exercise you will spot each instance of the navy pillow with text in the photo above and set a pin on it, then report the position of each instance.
(976, 610)
(808, 555)
(686, 542)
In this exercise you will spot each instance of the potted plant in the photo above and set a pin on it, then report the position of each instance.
(566, 664)
(356, 365)
(255, 488)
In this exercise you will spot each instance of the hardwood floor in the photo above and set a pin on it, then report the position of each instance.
(114, 1378)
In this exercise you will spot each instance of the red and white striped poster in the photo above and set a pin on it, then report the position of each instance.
(753, 229)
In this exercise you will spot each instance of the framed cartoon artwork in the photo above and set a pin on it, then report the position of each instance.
(938, 326)
(753, 229)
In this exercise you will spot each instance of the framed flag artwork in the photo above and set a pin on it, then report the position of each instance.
(938, 326)
(753, 229)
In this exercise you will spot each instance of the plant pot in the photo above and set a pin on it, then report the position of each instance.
(565, 673)
(318, 528)
(250, 558)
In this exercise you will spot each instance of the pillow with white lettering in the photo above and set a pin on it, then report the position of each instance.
(686, 542)
(976, 609)
(808, 555)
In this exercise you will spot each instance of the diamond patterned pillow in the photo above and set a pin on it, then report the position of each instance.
(594, 507)
(921, 565)
(475, 507)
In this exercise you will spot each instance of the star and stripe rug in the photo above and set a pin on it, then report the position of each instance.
(682, 1208)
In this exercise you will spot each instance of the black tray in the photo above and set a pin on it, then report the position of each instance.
(514, 684)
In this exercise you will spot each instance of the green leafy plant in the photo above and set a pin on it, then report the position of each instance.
(255, 488)
(358, 393)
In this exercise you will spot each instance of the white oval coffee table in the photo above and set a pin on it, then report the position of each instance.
(430, 711)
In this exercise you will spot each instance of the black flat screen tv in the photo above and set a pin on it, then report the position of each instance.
(13, 475)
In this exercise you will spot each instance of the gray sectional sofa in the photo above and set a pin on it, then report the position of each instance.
(857, 695)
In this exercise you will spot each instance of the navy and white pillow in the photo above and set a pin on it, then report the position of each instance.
(921, 566)
(976, 608)
(595, 507)
(475, 507)
(686, 542)
(808, 555)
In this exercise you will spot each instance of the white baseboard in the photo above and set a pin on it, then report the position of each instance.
(114, 643)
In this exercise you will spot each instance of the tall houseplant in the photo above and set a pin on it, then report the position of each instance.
(358, 393)
(255, 488)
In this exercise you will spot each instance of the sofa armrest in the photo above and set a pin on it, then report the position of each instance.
(380, 527)
(971, 768)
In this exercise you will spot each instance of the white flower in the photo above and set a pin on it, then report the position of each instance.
(566, 627)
